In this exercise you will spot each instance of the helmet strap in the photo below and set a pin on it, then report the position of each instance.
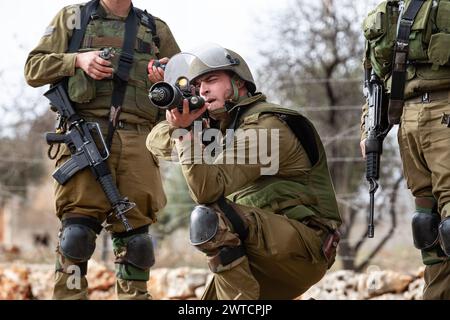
(234, 85)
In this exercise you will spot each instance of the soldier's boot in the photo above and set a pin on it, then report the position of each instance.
(212, 233)
(75, 247)
(134, 258)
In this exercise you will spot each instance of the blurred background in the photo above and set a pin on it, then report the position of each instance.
(304, 55)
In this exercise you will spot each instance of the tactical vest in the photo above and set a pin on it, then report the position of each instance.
(94, 97)
(429, 42)
(310, 195)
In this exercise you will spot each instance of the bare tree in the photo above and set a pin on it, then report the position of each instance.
(22, 146)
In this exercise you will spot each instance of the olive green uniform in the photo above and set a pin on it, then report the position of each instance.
(422, 136)
(134, 170)
(288, 214)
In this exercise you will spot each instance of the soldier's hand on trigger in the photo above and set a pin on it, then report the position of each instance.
(94, 66)
(156, 74)
(183, 120)
(362, 145)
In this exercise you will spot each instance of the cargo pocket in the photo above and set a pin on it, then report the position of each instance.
(81, 87)
(279, 238)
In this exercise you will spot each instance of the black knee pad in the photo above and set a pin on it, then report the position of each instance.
(77, 238)
(425, 230)
(444, 236)
(204, 224)
(139, 251)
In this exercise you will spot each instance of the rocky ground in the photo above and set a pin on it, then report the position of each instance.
(34, 282)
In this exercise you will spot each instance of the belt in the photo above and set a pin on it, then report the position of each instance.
(121, 125)
(428, 97)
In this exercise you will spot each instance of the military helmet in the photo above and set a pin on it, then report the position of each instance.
(214, 57)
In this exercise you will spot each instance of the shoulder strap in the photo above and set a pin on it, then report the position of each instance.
(86, 13)
(233, 216)
(400, 59)
(305, 133)
(122, 75)
(299, 125)
(149, 21)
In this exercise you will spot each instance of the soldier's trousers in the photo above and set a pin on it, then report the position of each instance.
(136, 173)
(282, 260)
(424, 142)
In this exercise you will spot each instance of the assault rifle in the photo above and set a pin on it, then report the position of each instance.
(377, 127)
(88, 149)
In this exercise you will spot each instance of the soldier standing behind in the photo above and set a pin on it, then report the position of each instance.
(91, 83)
(275, 234)
(408, 49)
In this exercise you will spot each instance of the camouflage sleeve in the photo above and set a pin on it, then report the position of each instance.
(159, 141)
(365, 110)
(168, 45)
(209, 181)
(48, 62)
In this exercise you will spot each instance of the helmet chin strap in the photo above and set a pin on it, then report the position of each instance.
(235, 98)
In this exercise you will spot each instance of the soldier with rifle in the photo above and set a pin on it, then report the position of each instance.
(268, 232)
(407, 66)
(95, 57)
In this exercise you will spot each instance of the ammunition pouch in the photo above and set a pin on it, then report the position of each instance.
(429, 43)
(81, 87)
(380, 32)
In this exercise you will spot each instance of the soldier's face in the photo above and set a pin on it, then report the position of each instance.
(215, 88)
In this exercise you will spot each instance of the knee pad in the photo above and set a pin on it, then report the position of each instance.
(425, 230)
(140, 252)
(444, 236)
(136, 250)
(77, 238)
(204, 224)
(134, 255)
